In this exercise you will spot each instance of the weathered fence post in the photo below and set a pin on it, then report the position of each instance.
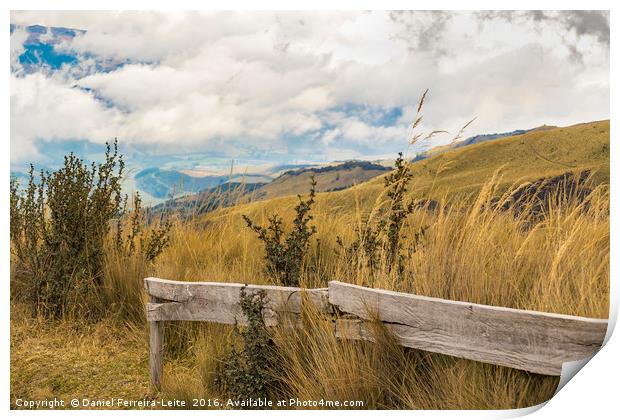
(156, 353)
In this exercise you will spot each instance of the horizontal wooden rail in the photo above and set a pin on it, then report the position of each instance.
(219, 302)
(538, 342)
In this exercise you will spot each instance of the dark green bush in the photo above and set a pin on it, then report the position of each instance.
(378, 242)
(284, 256)
(59, 226)
(247, 372)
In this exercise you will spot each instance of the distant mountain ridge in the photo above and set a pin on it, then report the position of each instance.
(332, 177)
(479, 138)
(291, 179)
(347, 165)
(223, 195)
(162, 183)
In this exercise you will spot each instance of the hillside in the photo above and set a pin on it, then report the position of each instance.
(463, 171)
(331, 177)
(479, 138)
(538, 153)
(328, 178)
(221, 196)
(162, 183)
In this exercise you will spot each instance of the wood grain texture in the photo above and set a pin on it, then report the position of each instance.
(219, 302)
(156, 350)
(534, 341)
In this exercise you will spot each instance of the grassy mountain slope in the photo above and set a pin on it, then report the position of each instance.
(480, 138)
(463, 171)
(540, 153)
(328, 178)
(333, 177)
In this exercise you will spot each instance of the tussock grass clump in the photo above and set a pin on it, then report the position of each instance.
(384, 375)
(484, 254)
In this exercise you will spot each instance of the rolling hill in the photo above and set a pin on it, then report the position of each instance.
(479, 138)
(223, 195)
(332, 177)
(538, 153)
(530, 156)
(328, 178)
(463, 171)
(165, 183)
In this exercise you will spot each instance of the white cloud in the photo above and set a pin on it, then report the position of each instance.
(18, 37)
(203, 81)
(44, 108)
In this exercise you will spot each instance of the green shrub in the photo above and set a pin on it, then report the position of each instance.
(284, 257)
(247, 372)
(378, 242)
(59, 226)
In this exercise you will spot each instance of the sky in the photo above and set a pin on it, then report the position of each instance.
(293, 87)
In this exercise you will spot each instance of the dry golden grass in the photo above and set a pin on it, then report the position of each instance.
(383, 374)
(469, 251)
(69, 359)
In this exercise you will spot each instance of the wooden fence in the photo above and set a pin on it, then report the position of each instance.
(534, 341)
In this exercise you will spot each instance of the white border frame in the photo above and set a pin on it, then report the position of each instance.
(593, 394)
